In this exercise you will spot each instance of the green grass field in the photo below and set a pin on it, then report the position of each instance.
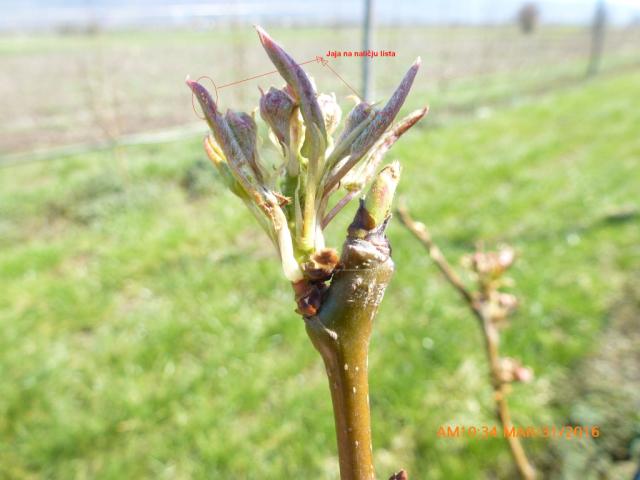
(146, 330)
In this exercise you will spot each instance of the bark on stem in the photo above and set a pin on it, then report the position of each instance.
(341, 331)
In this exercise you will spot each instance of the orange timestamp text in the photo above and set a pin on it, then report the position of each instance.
(482, 432)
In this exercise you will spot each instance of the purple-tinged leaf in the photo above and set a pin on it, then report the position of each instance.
(356, 116)
(276, 108)
(362, 174)
(385, 117)
(245, 130)
(299, 82)
(375, 129)
(222, 132)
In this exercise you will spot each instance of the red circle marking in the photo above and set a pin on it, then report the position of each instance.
(215, 89)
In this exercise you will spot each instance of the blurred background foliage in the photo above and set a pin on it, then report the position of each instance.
(145, 327)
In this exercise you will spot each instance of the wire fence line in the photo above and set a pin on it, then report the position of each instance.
(113, 88)
(192, 130)
(196, 129)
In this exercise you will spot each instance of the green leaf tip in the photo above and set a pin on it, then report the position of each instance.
(380, 196)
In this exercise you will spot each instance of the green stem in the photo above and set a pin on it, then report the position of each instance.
(341, 332)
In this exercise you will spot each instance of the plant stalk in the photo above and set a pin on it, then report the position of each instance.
(491, 338)
(500, 393)
(341, 331)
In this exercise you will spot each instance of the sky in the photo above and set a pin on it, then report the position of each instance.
(33, 14)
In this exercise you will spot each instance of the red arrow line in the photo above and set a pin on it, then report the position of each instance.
(320, 60)
(326, 64)
(258, 76)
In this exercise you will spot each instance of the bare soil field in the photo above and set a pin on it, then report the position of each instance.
(87, 88)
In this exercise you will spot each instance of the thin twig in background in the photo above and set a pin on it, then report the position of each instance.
(488, 324)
